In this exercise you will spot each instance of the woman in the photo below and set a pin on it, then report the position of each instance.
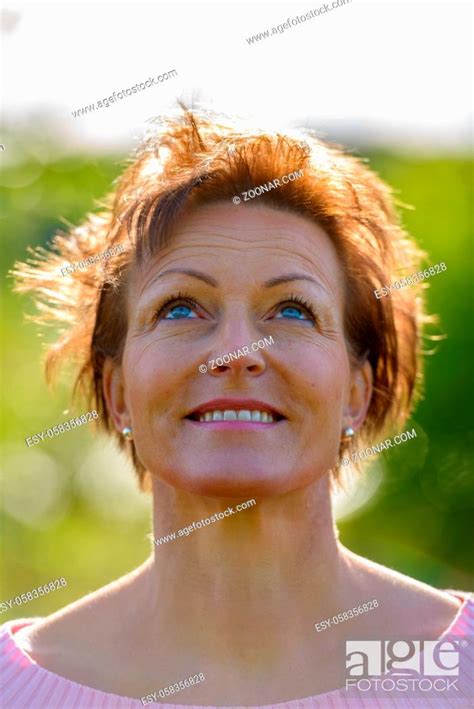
(204, 277)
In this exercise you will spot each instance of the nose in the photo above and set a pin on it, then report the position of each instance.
(238, 352)
(236, 362)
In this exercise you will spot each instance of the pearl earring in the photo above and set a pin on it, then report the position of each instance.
(127, 433)
(348, 432)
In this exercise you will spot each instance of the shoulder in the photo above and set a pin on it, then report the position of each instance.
(67, 641)
(408, 607)
(8, 639)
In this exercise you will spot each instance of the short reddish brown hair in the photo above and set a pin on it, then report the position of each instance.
(195, 159)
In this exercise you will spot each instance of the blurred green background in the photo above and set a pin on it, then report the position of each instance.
(70, 505)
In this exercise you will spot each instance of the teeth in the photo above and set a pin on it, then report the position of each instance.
(237, 415)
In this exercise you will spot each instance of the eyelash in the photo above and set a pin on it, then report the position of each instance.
(184, 297)
(303, 302)
(176, 298)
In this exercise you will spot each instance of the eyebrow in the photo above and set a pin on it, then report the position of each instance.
(271, 283)
(289, 277)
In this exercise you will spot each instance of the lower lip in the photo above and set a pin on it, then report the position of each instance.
(234, 425)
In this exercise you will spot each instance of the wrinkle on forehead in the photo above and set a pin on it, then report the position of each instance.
(283, 240)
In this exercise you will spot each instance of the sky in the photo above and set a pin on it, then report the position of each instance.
(370, 72)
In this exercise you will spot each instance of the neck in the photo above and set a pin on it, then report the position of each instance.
(248, 573)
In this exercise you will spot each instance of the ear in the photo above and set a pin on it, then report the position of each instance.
(114, 394)
(360, 395)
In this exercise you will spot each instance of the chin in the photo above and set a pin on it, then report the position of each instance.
(232, 482)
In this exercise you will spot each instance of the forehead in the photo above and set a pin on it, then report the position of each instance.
(248, 242)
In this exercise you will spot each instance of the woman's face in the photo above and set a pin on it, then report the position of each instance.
(233, 275)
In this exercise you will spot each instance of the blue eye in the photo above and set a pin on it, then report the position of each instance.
(177, 312)
(297, 308)
(178, 306)
(293, 312)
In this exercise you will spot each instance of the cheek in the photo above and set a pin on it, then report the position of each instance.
(321, 386)
(320, 372)
(331, 382)
(151, 378)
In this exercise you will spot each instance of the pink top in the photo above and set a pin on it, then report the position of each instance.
(26, 685)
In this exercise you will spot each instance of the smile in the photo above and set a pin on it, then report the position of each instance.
(243, 412)
(237, 415)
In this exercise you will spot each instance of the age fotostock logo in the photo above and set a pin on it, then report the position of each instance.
(403, 667)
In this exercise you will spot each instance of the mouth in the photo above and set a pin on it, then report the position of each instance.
(233, 410)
